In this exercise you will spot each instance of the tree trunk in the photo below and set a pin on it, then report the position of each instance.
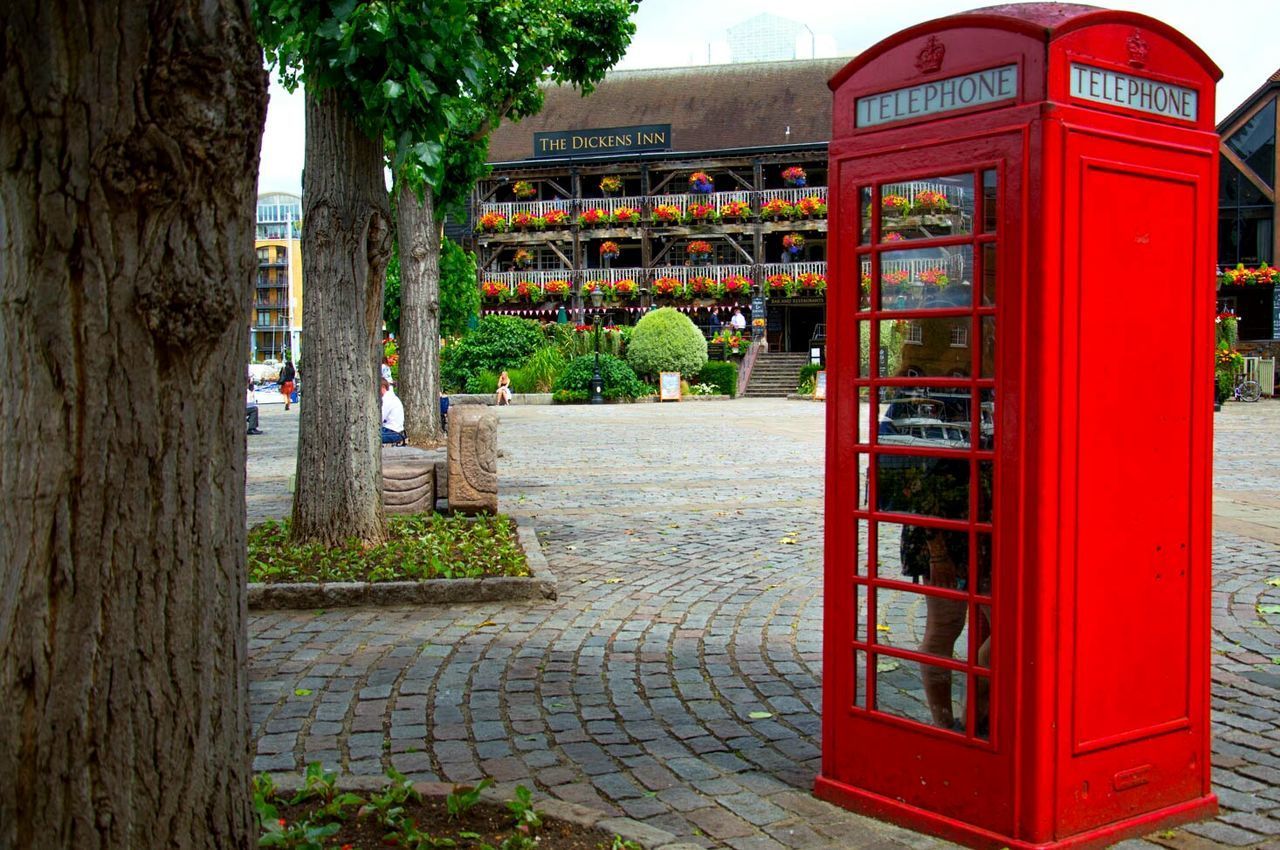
(419, 385)
(346, 243)
(129, 136)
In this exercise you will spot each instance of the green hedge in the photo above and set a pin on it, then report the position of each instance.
(497, 343)
(619, 379)
(666, 340)
(721, 375)
(804, 384)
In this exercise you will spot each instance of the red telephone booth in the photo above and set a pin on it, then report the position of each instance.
(1019, 414)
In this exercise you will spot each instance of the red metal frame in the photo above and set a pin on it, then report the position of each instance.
(1065, 762)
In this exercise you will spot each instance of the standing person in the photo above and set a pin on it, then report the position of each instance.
(504, 389)
(738, 320)
(386, 370)
(392, 414)
(287, 383)
(714, 322)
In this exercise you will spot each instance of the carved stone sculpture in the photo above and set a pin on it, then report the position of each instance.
(409, 485)
(473, 460)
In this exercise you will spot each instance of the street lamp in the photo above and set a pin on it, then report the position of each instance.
(597, 382)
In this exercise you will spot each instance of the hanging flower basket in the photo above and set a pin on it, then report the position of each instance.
(793, 244)
(524, 190)
(701, 183)
(523, 259)
(699, 251)
(609, 250)
(610, 184)
(794, 176)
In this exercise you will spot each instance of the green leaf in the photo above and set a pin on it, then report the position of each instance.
(392, 89)
(1269, 609)
(302, 692)
(760, 715)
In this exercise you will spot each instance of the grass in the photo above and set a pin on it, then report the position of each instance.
(421, 546)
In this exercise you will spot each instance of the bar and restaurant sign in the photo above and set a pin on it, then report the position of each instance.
(645, 137)
(980, 88)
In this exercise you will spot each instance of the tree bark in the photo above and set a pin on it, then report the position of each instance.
(419, 385)
(129, 137)
(346, 243)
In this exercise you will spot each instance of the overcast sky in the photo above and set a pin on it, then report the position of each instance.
(1242, 36)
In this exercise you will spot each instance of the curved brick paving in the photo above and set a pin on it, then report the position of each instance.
(681, 611)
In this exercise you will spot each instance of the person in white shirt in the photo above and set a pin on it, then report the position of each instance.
(738, 320)
(251, 410)
(392, 415)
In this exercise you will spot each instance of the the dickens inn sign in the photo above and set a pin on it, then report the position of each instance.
(647, 137)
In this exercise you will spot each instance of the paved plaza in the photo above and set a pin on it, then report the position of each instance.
(687, 543)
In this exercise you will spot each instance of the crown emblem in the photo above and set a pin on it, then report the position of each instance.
(1138, 49)
(930, 57)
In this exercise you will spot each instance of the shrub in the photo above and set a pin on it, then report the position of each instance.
(721, 375)
(666, 340)
(497, 343)
(806, 381)
(483, 382)
(539, 372)
(619, 380)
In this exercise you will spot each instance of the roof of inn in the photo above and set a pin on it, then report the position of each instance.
(1228, 123)
(709, 107)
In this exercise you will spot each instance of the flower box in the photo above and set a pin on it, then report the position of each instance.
(527, 291)
(894, 205)
(701, 286)
(523, 222)
(777, 210)
(783, 283)
(556, 218)
(735, 210)
(812, 206)
(593, 218)
(558, 288)
(668, 214)
(737, 286)
(492, 222)
(930, 202)
(624, 290)
(668, 287)
(495, 291)
(701, 213)
(625, 215)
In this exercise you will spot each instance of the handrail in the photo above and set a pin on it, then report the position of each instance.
(749, 363)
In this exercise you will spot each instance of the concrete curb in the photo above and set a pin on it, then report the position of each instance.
(488, 399)
(539, 586)
(650, 838)
(798, 397)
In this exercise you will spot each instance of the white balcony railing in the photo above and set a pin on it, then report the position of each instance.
(610, 205)
(792, 196)
(960, 197)
(538, 208)
(953, 264)
(793, 269)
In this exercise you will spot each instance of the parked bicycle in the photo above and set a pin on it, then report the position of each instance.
(1245, 389)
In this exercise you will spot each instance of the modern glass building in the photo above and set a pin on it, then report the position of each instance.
(275, 323)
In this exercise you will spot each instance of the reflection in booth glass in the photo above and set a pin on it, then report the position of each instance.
(926, 209)
(925, 278)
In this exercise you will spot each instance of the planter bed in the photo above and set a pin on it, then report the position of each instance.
(539, 584)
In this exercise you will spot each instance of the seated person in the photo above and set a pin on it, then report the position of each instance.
(392, 414)
(251, 411)
(504, 389)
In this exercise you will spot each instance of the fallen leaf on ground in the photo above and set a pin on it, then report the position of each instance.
(887, 666)
(1269, 609)
(302, 692)
(881, 627)
(485, 623)
(787, 540)
(1274, 582)
(613, 581)
(760, 715)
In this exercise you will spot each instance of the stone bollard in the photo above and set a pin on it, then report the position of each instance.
(473, 460)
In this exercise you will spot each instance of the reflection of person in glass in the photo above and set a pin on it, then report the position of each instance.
(937, 487)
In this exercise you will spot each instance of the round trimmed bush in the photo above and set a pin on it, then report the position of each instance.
(666, 340)
(497, 343)
(619, 380)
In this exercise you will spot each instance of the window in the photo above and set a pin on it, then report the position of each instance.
(1255, 143)
(915, 333)
(1245, 232)
(264, 318)
(959, 336)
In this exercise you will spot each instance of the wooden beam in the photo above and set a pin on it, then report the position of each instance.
(671, 243)
(750, 260)
(1248, 172)
(662, 183)
(555, 250)
(746, 184)
(564, 193)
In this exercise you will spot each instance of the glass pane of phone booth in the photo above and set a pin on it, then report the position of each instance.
(927, 450)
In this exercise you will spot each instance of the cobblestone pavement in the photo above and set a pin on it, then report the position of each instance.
(683, 608)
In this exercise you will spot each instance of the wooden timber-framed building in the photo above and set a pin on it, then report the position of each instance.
(616, 167)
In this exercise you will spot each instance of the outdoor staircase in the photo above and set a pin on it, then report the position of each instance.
(775, 375)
